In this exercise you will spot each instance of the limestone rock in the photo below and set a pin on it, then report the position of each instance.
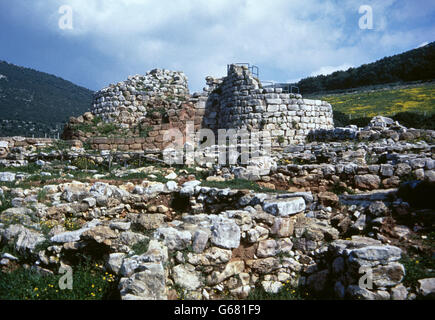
(284, 207)
(186, 277)
(225, 233)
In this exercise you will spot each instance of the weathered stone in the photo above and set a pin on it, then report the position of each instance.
(114, 262)
(367, 181)
(186, 277)
(148, 284)
(231, 269)
(389, 275)
(399, 292)
(267, 248)
(225, 233)
(282, 227)
(173, 238)
(374, 255)
(99, 234)
(150, 221)
(200, 239)
(284, 207)
(426, 288)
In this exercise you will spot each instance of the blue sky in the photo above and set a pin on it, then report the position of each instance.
(287, 39)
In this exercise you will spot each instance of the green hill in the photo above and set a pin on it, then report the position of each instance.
(43, 100)
(413, 65)
(388, 101)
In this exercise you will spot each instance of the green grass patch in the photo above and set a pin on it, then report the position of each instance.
(386, 102)
(89, 283)
(31, 168)
(5, 202)
(416, 268)
(141, 247)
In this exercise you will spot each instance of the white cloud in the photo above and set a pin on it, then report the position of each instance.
(325, 70)
(287, 39)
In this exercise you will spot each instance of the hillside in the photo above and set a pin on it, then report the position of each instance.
(27, 95)
(413, 65)
(418, 98)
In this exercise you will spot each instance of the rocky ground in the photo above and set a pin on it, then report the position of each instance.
(349, 216)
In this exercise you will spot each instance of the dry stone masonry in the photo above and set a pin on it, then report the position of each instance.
(325, 209)
(239, 101)
(160, 100)
(128, 102)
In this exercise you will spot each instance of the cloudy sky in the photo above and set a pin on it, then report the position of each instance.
(287, 39)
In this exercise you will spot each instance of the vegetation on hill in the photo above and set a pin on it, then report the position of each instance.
(387, 102)
(417, 64)
(33, 96)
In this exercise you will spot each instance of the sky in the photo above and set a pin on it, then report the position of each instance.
(97, 42)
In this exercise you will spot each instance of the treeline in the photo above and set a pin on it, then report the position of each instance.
(407, 119)
(30, 95)
(413, 65)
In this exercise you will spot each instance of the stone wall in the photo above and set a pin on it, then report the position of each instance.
(8, 143)
(160, 100)
(128, 102)
(239, 101)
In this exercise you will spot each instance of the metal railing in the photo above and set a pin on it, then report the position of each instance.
(286, 87)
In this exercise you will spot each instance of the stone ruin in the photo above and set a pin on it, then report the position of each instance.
(143, 107)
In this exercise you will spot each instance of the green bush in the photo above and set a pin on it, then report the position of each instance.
(84, 163)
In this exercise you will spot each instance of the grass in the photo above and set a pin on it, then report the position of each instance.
(418, 267)
(141, 247)
(31, 168)
(5, 202)
(414, 98)
(287, 292)
(89, 283)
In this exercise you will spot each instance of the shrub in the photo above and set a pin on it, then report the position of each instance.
(84, 163)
